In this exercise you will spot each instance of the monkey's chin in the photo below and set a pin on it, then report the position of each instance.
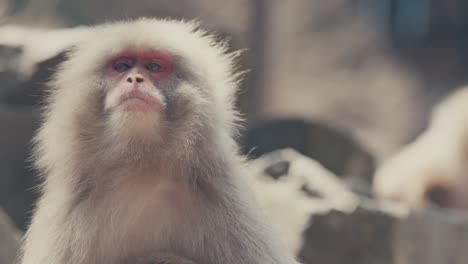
(135, 123)
(139, 105)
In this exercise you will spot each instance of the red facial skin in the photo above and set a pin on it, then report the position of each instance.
(138, 71)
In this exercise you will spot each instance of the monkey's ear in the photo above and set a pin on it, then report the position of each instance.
(31, 91)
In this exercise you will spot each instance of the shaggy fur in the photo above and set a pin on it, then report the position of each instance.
(118, 188)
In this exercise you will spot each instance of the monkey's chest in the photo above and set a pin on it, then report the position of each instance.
(140, 221)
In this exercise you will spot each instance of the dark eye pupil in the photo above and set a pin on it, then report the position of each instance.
(154, 67)
(121, 67)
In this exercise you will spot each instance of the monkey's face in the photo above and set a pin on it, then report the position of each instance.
(137, 91)
(151, 98)
(136, 78)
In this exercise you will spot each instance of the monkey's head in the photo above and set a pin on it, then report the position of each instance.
(137, 89)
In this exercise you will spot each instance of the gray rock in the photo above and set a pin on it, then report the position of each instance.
(335, 150)
(334, 225)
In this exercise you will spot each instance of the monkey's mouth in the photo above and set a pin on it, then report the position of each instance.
(138, 101)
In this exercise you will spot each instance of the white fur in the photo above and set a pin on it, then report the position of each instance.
(118, 198)
(439, 156)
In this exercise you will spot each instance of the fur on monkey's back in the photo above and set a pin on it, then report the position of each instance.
(192, 204)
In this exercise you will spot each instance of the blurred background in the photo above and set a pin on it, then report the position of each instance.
(346, 82)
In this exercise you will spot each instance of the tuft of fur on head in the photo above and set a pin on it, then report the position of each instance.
(77, 129)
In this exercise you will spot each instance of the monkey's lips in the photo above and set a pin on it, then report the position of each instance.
(138, 101)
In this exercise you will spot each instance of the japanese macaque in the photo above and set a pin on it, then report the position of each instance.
(434, 168)
(138, 157)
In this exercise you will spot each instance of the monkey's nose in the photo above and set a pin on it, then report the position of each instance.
(135, 78)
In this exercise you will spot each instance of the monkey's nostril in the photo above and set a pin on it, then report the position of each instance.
(139, 79)
(130, 79)
(438, 195)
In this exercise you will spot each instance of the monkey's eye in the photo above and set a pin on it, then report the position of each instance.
(122, 67)
(154, 67)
